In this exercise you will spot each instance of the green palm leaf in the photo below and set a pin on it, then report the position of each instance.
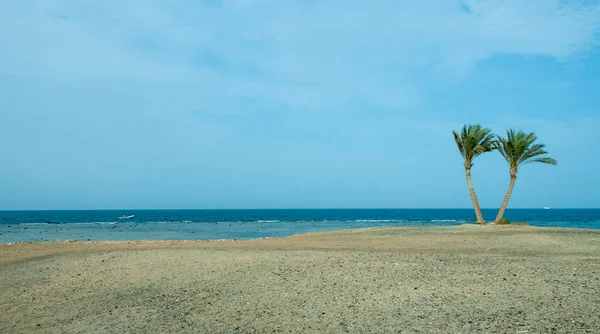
(472, 141)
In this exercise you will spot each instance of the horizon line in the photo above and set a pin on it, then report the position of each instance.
(266, 209)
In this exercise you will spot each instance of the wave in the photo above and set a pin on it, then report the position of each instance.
(374, 220)
(95, 223)
(33, 224)
(443, 220)
(57, 223)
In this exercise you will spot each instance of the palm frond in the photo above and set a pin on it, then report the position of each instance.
(544, 160)
(519, 148)
(501, 145)
(459, 143)
(532, 152)
(473, 140)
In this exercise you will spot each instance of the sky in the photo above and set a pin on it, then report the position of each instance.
(293, 104)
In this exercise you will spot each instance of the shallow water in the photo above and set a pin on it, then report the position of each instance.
(18, 226)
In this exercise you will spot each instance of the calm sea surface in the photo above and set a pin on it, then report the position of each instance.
(251, 224)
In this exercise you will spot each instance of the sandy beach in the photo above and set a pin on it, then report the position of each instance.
(462, 279)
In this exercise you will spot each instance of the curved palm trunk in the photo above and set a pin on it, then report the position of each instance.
(513, 178)
(474, 197)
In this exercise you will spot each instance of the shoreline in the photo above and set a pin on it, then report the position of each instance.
(25, 231)
(517, 225)
(464, 238)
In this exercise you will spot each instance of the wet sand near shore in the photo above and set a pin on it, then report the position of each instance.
(462, 279)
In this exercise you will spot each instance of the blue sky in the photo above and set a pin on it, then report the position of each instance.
(292, 104)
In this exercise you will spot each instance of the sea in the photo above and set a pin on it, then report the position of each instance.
(94, 225)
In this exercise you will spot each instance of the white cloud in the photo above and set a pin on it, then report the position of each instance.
(305, 54)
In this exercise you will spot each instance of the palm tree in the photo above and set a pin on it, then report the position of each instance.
(519, 148)
(472, 141)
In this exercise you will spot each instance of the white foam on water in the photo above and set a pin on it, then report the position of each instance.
(375, 220)
(90, 223)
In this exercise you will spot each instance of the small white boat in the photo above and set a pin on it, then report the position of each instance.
(546, 208)
(126, 217)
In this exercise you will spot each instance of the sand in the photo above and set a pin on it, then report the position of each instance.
(463, 279)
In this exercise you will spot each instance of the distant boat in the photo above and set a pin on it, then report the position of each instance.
(126, 217)
(546, 208)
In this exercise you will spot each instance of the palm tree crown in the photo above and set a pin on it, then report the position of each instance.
(519, 148)
(472, 141)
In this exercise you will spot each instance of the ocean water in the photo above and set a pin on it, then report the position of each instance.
(19, 226)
